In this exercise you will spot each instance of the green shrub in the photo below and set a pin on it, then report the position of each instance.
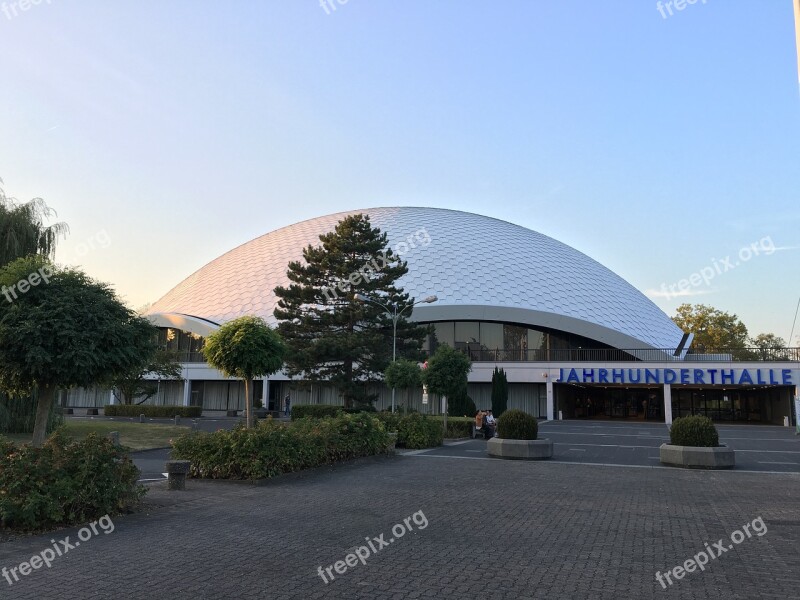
(65, 482)
(694, 431)
(17, 415)
(315, 411)
(461, 406)
(367, 408)
(457, 427)
(152, 411)
(273, 448)
(517, 425)
(414, 431)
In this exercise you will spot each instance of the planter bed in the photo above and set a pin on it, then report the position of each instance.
(695, 457)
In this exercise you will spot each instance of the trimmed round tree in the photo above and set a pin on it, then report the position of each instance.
(245, 348)
(59, 328)
(404, 374)
(446, 374)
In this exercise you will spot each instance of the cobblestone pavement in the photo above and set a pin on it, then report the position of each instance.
(496, 529)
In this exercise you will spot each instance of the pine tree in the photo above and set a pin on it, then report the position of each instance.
(331, 336)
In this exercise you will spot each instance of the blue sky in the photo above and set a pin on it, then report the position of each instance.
(167, 133)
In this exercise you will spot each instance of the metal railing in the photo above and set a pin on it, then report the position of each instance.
(633, 354)
(607, 355)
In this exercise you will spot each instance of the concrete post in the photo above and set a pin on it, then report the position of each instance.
(550, 400)
(667, 404)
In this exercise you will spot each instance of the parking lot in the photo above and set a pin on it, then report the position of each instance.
(760, 448)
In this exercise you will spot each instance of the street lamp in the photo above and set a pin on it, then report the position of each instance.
(395, 316)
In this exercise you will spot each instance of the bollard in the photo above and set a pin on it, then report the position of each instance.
(141, 418)
(177, 420)
(114, 437)
(176, 474)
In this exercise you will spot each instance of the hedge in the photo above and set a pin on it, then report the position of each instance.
(272, 448)
(65, 482)
(697, 430)
(414, 431)
(315, 411)
(151, 411)
(457, 427)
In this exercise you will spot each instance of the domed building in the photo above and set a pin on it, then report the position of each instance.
(574, 338)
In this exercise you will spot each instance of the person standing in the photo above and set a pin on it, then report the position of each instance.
(287, 406)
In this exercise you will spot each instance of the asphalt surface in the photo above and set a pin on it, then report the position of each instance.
(452, 529)
(760, 448)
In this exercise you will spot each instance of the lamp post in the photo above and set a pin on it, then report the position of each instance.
(395, 316)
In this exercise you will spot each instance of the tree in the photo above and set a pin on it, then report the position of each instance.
(499, 392)
(245, 348)
(134, 383)
(333, 338)
(22, 229)
(59, 328)
(770, 346)
(446, 374)
(403, 374)
(713, 329)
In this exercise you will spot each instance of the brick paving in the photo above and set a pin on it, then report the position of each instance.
(532, 530)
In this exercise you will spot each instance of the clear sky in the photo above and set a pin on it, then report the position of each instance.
(166, 133)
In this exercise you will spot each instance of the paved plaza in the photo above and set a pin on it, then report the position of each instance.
(494, 529)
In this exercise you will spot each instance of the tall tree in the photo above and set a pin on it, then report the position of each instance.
(245, 348)
(331, 336)
(713, 329)
(770, 346)
(59, 328)
(22, 229)
(499, 392)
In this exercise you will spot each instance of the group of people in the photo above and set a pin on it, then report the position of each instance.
(485, 422)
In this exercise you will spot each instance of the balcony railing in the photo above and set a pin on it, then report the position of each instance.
(642, 355)
(607, 355)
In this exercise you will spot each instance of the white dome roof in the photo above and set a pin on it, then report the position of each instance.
(480, 268)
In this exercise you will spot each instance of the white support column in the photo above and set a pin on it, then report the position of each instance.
(187, 391)
(550, 400)
(265, 393)
(667, 404)
(112, 397)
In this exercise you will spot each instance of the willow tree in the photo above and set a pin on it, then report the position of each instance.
(59, 328)
(245, 348)
(23, 231)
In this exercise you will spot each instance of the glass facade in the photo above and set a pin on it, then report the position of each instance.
(188, 345)
(491, 341)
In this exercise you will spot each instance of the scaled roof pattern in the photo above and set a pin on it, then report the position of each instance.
(468, 259)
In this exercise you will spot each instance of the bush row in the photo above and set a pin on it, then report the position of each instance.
(65, 482)
(273, 448)
(414, 431)
(17, 415)
(151, 411)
